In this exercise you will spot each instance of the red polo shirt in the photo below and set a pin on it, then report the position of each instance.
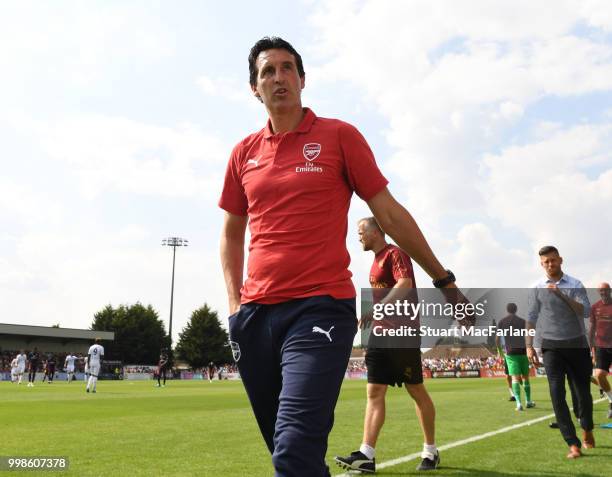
(389, 265)
(601, 319)
(296, 189)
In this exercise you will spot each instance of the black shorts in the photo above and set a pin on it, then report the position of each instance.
(603, 358)
(394, 366)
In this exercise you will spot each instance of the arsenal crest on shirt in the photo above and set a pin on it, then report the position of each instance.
(311, 151)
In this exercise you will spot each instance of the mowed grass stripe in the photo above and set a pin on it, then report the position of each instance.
(201, 428)
(486, 410)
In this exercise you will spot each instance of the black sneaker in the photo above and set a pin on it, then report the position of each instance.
(429, 464)
(511, 398)
(553, 425)
(357, 461)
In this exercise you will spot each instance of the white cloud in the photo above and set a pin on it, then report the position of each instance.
(453, 79)
(547, 190)
(510, 110)
(27, 206)
(103, 152)
(67, 259)
(597, 13)
(227, 88)
(450, 85)
(75, 44)
(484, 262)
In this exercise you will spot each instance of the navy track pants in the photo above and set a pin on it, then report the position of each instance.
(292, 357)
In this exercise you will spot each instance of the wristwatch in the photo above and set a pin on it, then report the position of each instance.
(442, 282)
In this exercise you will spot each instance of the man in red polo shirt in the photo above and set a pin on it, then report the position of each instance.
(293, 319)
(600, 337)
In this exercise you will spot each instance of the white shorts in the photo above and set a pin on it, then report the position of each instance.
(70, 369)
(94, 369)
(20, 369)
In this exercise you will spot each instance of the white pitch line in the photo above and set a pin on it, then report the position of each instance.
(409, 457)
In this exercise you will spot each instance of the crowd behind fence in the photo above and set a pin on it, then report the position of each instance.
(355, 365)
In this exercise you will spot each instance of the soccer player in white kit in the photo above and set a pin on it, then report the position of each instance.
(69, 365)
(14, 370)
(21, 365)
(86, 368)
(95, 355)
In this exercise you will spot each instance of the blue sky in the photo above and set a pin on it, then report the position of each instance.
(492, 120)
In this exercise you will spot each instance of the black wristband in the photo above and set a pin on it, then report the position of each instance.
(442, 282)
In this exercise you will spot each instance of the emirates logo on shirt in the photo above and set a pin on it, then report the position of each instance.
(311, 151)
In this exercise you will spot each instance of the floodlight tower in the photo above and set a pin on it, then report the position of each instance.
(173, 242)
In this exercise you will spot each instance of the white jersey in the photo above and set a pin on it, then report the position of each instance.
(95, 354)
(14, 364)
(21, 360)
(69, 363)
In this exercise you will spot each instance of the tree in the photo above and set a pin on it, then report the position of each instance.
(139, 333)
(203, 340)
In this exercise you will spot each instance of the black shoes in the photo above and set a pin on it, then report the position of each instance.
(511, 398)
(357, 461)
(429, 464)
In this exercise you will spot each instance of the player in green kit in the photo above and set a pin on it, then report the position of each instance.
(516, 355)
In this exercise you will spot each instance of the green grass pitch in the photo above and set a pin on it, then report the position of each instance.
(207, 429)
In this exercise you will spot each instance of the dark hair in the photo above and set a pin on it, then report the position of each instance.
(511, 308)
(269, 43)
(548, 249)
(372, 222)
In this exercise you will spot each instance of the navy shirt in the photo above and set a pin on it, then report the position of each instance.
(513, 344)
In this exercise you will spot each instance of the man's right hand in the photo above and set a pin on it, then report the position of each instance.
(454, 296)
(365, 321)
(533, 356)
